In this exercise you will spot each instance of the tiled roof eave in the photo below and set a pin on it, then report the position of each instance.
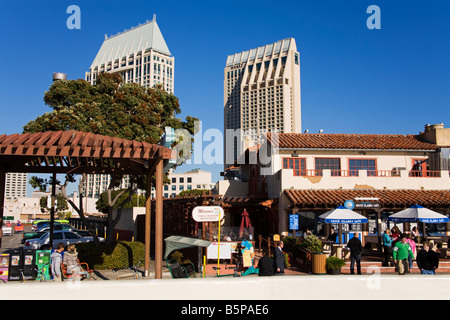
(357, 149)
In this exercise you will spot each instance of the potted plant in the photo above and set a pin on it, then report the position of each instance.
(334, 265)
(314, 245)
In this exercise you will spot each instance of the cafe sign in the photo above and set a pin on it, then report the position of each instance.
(207, 214)
(367, 203)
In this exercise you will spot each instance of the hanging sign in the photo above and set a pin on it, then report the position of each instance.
(207, 214)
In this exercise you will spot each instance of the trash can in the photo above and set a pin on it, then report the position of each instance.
(43, 262)
(319, 263)
(4, 266)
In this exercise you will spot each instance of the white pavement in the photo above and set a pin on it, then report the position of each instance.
(309, 287)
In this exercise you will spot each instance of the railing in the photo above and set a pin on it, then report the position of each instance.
(266, 242)
(424, 174)
(370, 173)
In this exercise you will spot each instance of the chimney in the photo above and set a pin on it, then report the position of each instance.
(436, 134)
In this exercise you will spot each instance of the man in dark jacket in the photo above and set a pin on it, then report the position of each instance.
(279, 258)
(427, 260)
(355, 247)
(266, 264)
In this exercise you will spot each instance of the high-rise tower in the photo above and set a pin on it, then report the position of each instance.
(140, 55)
(261, 94)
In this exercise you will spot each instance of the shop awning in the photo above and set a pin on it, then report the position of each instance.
(179, 242)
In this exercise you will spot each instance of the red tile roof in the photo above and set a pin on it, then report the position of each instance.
(77, 144)
(350, 141)
(388, 198)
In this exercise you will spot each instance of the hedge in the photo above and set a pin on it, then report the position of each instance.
(121, 254)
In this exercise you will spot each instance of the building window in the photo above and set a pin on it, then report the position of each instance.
(334, 164)
(362, 164)
(181, 180)
(420, 168)
(298, 164)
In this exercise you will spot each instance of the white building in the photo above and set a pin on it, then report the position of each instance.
(139, 55)
(15, 185)
(186, 181)
(261, 94)
(313, 173)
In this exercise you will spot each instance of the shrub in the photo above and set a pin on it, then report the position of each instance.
(312, 243)
(333, 263)
(121, 254)
(179, 257)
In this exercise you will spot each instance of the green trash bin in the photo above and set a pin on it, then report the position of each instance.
(43, 263)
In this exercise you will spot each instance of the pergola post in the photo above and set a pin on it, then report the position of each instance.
(159, 219)
(2, 201)
(52, 210)
(148, 221)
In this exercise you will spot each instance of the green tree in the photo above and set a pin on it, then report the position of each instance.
(113, 108)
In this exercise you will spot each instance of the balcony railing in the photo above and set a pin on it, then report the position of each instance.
(370, 173)
(424, 174)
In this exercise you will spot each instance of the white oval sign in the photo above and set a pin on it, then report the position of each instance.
(207, 214)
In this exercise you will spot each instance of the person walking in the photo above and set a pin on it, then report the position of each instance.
(56, 258)
(426, 259)
(279, 258)
(412, 244)
(400, 254)
(266, 265)
(387, 246)
(355, 246)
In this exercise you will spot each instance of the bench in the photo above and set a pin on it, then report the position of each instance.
(85, 271)
(179, 271)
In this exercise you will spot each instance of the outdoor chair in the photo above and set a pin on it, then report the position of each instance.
(178, 270)
(85, 271)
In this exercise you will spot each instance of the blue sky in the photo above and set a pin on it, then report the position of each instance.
(353, 80)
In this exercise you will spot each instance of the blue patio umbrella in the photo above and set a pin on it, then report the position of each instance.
(342, 215)
(418, 213)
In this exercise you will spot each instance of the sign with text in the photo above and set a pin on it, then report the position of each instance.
(207, 214)
(293, 221)
(225, 250)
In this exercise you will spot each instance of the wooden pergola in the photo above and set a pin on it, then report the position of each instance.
(75, 152)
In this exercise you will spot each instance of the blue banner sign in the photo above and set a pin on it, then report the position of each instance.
(293, 221)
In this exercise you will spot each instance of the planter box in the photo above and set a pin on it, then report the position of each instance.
(334, 271)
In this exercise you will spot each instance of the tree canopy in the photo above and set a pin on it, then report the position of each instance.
(111, 108)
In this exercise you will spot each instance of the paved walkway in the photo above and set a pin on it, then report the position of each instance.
(309, 287)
